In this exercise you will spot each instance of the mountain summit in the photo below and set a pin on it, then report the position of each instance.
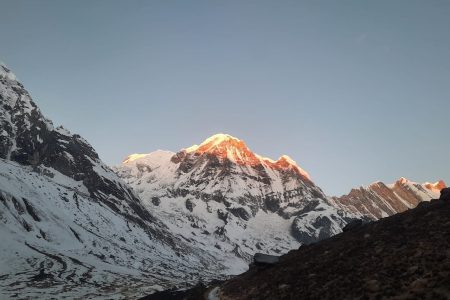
(219, 140)
(222, 196)
(225, 146)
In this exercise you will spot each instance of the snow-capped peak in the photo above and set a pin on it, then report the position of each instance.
(403, 180)
(286, 162)
(224, 147)
(133, 157)
(155, 156)
(287, 159)
(219, 138)
(213, 141)
(437, 186)
(5, 72)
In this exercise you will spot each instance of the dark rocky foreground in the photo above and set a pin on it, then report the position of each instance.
(405, 256)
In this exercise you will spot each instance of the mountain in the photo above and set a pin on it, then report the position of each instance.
(69, 226)
(405, 256)
(379, 200)
(73, 227)
(221, 196)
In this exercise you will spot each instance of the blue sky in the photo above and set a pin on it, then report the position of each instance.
(354, 91)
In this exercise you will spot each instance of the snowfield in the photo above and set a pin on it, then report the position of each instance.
(83, 248)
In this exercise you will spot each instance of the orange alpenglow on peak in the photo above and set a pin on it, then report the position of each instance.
(226, 146)
(133, 157)
(215, 141)
(403, 180)
(436, 186)
(285, 162)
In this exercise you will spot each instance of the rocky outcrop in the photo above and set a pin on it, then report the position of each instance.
(27, 137)
(380, 200)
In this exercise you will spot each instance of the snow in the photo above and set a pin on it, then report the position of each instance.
(403, 180)
(155, 158)
(137, 265)
(212, 141)
(63, 131)
(205, 225)
(192, 148)
(133, 157)
(294, 164)
(6, 73)
(251, 228)
(214, 294)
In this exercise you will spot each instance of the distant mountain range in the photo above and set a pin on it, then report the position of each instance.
(379, 200)
(79, 228)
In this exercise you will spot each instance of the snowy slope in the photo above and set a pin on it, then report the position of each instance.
(69, 226)
(379, 200)
(84, 247)
(221, 196)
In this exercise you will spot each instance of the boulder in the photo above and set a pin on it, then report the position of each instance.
(190, 205)
(261, 259)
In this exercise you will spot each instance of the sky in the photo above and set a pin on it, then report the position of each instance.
(354, 91)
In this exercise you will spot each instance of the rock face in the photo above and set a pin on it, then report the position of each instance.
(30, 139)
(380, 200)
(232, 201)
(405, 256)
(69, 224)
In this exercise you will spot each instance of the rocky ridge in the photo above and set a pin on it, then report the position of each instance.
(379, 200)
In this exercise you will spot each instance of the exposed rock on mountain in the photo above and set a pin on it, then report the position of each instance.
(28, 138)
(380, 200)
(69, 226)
(233, 202)
(405, 256)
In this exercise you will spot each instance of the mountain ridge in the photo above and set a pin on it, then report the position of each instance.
(226, 146)
(70, 226)
(378, 200)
